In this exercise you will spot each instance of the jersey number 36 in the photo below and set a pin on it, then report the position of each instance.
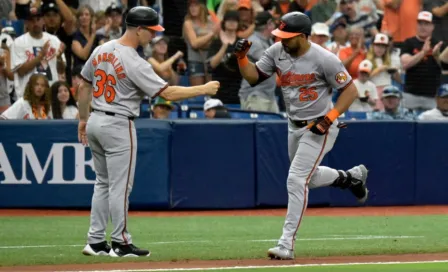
(105, 85)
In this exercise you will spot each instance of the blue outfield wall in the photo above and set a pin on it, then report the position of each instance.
(221, 164)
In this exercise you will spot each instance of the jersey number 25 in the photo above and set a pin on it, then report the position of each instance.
(308, 94)
(105, 85)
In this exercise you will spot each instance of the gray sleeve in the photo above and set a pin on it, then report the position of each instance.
(143, 76)
(266, 64)
(88, 69)
(335, 73)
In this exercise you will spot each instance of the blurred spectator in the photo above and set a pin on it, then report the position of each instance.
(262, 96)
(212, 7)
(163, 65)
(98, 4)
(226, 5)
(352, 56)
(6, 74)
(339, 37)
(60, 21)
(399, 19)
(323, 10)
(113, 28)
(444, 65)
(100, 19)
(63, 104)
(369, 7)
(383, 68)
(85, 39)
(35, 103)
(367, 93)
(76, 80)
(439, 8)
(440, 113)
(320, 34)
(162, 108)
(246, 18)
(392, 110)
(353, 18)
(214, 109)
(419, 59)
(223, 62)
(198, 32)
(20, 9)
(34, 52)
(6, 10)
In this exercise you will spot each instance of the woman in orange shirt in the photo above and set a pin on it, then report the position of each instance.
(352, 56)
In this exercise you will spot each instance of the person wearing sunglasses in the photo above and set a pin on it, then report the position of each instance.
(391, 99)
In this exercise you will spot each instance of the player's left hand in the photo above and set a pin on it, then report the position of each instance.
(82, 134)
(321, 125)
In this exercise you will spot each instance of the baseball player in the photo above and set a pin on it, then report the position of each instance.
(308, 73)
(120, 78)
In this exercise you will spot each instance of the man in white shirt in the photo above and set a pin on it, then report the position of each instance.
(367, 92)
(440, 113)
(34, 52)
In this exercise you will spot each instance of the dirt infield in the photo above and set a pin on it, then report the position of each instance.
(365, 211)
(352, 211)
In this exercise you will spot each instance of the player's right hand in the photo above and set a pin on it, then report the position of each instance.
(211, 87)
(241, 48)
(82, 133)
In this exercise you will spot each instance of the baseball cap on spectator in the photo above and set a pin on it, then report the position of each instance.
(391, 91)
(263, 18)
(34, 12)
(246, 4)
(159, 101)
(381, 38)
(443, 90)
(425, 16)
(365, 66)
(346, 1)
(9, 30)
(212, 103)
(159, 38)
(320, 29)
(113, 8)
(49, 6)
(335, 25)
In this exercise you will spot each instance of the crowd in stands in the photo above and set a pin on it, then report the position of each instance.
(395, 50)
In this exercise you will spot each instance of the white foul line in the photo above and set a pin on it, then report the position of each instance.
(261, 267)
(361, 237)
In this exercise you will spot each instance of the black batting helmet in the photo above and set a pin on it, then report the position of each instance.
(144, 17)
(293, 24)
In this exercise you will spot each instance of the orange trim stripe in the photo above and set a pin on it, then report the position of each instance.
(306, 188)
(127, 185)
(346, 86)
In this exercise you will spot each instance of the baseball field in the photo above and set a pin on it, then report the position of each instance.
(330, 239)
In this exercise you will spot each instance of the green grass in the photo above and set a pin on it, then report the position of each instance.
(213, 238)
(433, 267)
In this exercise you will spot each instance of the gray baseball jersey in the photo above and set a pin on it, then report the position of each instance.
(306, 81)
(121, 78)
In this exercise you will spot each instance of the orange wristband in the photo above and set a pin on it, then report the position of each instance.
(243, 62)
(333, 114)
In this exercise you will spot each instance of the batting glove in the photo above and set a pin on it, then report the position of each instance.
(241, 48)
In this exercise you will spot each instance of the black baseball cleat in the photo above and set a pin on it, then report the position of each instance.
(119, 250)
(99, 249)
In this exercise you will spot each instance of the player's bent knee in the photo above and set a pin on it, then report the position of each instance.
(295, 183)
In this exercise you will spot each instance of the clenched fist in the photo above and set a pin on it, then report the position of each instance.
(211, 88)
(241, 48)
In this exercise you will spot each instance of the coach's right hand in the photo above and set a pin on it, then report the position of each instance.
(211, 88)
(241, 48)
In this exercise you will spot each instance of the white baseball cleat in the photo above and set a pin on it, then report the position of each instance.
(280, 253)
(100, 249)
(359, 178)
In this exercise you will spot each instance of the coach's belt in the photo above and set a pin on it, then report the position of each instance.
(113, 114)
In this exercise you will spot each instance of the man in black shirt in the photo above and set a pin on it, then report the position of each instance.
(420, 60)
(60, 21)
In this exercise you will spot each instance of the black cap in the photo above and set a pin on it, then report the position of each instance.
(49, 6)
(113, 8)
(293, 24)
(263, 18)
(144, 17)
(231, 15)
(33, 12)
